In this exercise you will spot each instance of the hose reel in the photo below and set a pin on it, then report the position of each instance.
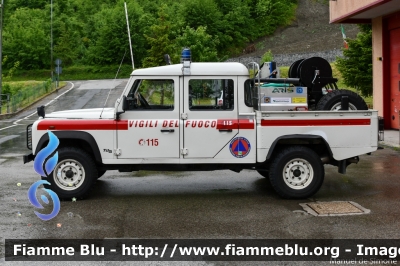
(313, 72)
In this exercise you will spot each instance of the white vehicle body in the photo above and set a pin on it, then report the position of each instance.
(188, 134)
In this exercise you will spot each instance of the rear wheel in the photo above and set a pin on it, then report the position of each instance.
(74, 175)
(296, 172)
(333, 101)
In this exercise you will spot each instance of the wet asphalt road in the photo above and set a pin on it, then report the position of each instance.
(219, 204)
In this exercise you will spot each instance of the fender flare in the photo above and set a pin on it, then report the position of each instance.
(298, 136)
(81, 135)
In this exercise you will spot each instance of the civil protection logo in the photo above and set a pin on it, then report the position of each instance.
(44, 168)
(240, 147)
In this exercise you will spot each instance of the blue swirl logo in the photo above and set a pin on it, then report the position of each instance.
(32, 198)
(44, 167)
(44, 153)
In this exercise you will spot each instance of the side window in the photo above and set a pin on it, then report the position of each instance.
(152, 94)
(211, 94)
(250, 93)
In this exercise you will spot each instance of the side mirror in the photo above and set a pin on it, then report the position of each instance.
(124, 107)
(124, 103)
(167, 59)
(40, 111)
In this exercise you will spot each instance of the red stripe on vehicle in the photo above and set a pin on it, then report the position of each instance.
(235, 124)
(75, 124)
(122, 124)
(227, 124)
(319, 122)
(246, 124)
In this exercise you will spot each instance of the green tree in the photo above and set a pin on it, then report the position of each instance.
(159, 40)
(27, 39)
(201, 44)
(205, 13)
(109, 38)
(237, 24)
(66, 47)
(93, 32)
(356, 65)
(34, 4)
(273, 13)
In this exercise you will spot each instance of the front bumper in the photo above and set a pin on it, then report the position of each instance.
(28, 158)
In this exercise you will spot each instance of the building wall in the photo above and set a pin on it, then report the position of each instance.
(391, 69)
(377, 68)
(340, 8)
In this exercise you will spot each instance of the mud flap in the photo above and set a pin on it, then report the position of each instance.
(28, 158)
(342, 165)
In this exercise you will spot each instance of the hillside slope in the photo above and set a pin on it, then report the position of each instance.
(310, 32)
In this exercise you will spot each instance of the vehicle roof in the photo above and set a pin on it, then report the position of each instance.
(196, 69)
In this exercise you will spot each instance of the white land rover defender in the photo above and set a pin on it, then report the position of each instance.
(171, 118)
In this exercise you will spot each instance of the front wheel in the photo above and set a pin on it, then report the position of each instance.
(74, 175)
(296, 172)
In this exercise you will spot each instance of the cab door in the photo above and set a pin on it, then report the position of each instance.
(152, 120)
(210, 119)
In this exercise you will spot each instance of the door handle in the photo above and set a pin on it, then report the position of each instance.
(225, 130)
(167, 130)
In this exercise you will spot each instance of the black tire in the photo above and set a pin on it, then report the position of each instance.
(100, 173)
(65, 180)
(307, 168)
(332, 101)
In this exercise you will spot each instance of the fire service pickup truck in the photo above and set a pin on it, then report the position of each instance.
(204, 117)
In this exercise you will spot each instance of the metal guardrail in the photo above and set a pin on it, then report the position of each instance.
(4, 101)
(25, 96)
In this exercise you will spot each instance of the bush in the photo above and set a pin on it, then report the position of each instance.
(356, 65)
(6, 89)
(267, 57)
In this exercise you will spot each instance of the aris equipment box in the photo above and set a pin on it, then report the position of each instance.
(283, 97)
